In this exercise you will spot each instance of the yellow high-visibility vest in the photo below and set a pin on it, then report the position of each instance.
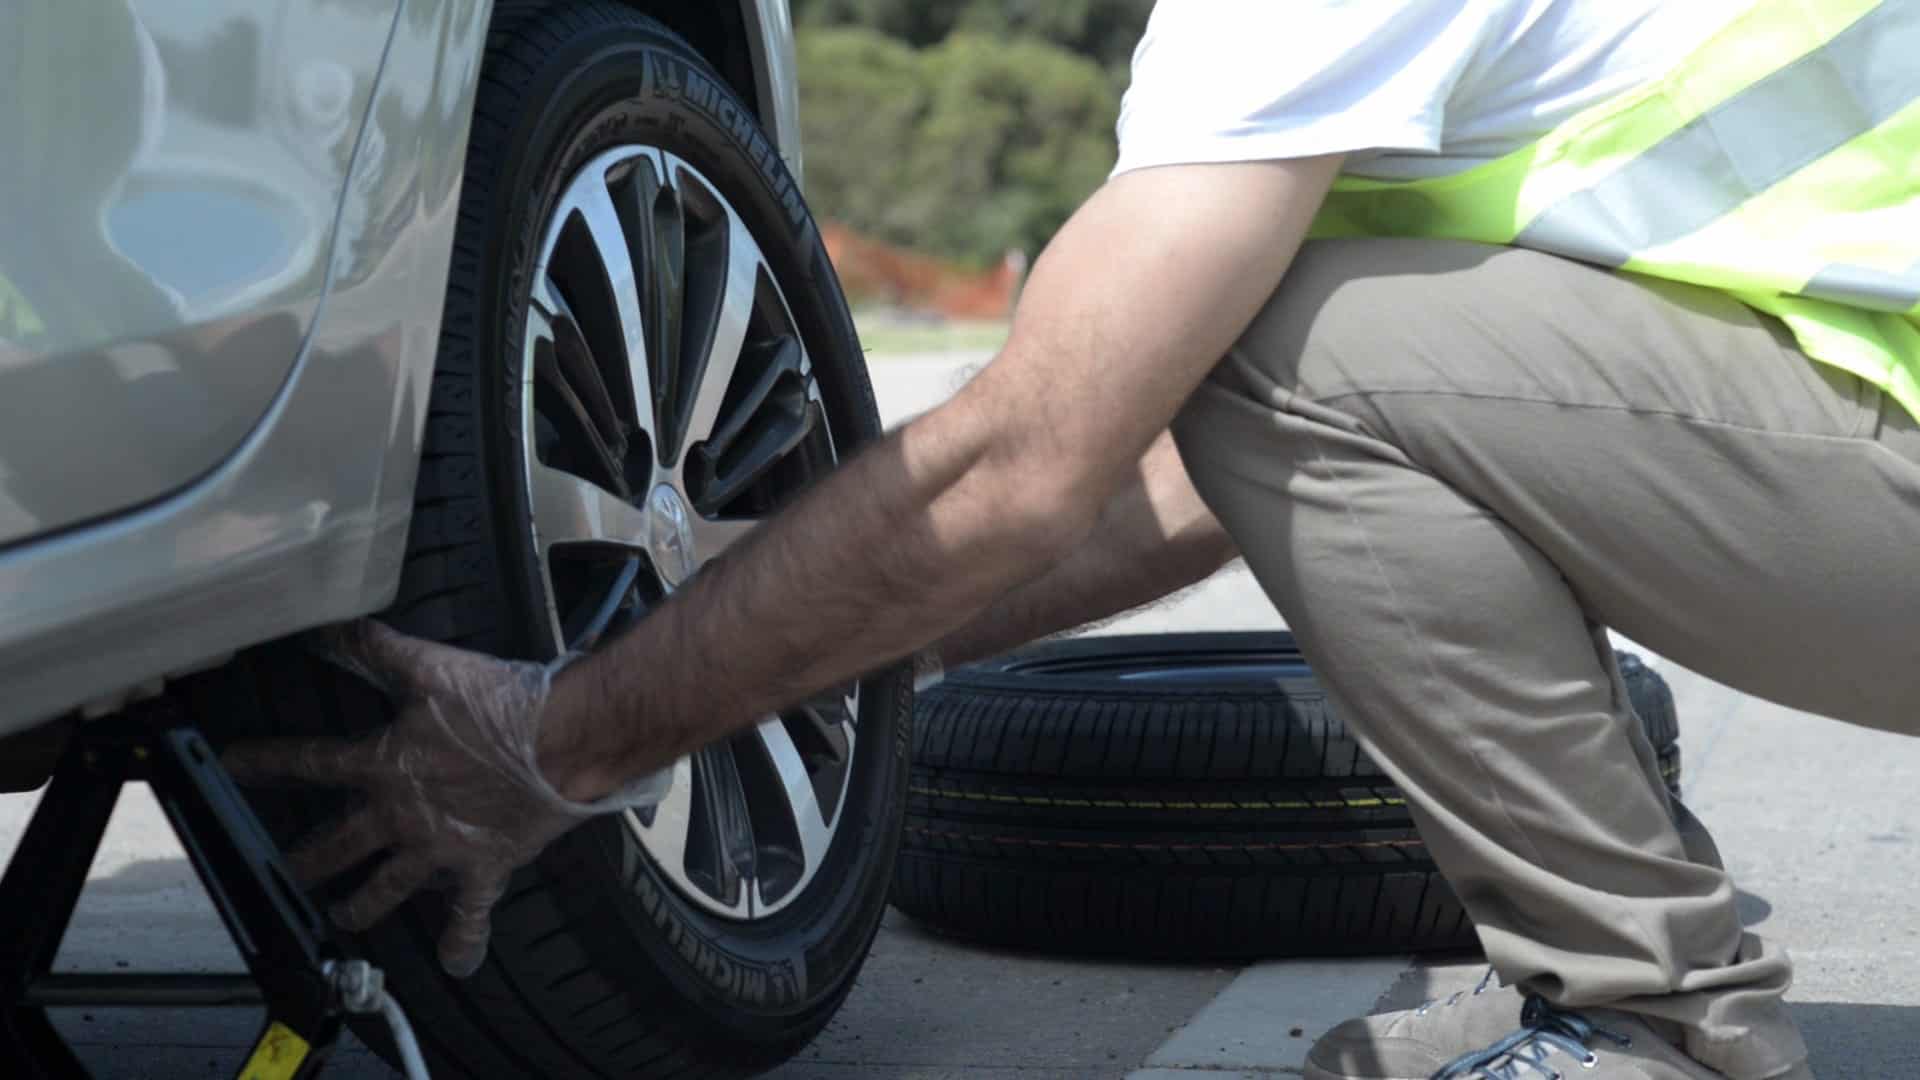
(1779, 162)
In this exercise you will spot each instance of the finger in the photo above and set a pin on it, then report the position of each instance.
(341, 645)
(463, 944)
(341, 846)
(398, 878)
(390, 660)
(322, 762)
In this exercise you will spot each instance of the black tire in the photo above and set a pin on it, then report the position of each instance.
(1180, 796)
(598, 967)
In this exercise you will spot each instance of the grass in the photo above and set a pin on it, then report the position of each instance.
(892, 336)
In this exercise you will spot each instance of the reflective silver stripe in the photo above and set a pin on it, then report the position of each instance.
(1744, 145)
(1864, 287)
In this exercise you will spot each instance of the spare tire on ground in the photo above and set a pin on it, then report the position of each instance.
(1173, 796)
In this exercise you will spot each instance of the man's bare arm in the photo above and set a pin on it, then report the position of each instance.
(1155, 537)
(1129, 307)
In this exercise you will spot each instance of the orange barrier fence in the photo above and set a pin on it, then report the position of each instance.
(873, 272)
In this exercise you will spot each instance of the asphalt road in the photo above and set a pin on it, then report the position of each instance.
(1817, 821)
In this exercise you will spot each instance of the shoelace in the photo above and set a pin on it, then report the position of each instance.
(1454, 998)
(1543, 1030)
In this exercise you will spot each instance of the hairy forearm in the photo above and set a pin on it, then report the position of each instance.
(1153, 538)
(1134, 300)
(879, 559)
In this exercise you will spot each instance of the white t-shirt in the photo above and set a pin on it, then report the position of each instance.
(1409, 88)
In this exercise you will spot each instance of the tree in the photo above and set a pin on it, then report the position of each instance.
(1018, 134)
(916, 22)
(968, 149)
(1104, 30)
(863, 96)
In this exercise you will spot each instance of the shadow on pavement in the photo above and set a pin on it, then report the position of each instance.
(1847, 1040)
(1753, 909)
(926, 1005)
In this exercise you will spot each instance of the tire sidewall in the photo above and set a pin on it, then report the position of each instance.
(775, 979)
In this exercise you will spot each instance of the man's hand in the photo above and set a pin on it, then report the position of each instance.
(453, 787)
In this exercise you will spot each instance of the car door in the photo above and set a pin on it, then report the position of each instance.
(170, 177)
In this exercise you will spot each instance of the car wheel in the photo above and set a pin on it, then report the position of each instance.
(644, 352)
(1174, 796)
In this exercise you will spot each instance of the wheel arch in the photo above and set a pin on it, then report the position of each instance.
(750, 43)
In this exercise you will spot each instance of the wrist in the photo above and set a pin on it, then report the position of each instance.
(568, 751)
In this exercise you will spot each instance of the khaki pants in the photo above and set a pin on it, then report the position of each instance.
(1452, 465)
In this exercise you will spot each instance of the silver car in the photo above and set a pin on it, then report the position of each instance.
(496, 319)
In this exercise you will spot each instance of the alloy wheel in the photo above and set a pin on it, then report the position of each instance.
(668, 404)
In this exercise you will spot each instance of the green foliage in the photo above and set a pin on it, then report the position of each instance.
(1104, 30)
(1018, 134)
(916, 22)
(863, 96)
(966, 148)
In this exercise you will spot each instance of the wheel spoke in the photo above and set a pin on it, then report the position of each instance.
(779, 366)
(770, 417)
(843, 703)
(602, 220)
(582, 627)
(712, 536)
(714, 352)
(569, 510)
(802, 803)
(657, 245)
(578, 420)
(823, 730)
(722, 851)
(831, 718)
(822, 735)
(767, 442)
(665, 824)
(577, 373)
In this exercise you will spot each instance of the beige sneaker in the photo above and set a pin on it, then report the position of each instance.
(1415, 1043)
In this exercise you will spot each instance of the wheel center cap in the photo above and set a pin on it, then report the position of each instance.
(670, 541)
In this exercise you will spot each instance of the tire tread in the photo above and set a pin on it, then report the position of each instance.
(1166, 820)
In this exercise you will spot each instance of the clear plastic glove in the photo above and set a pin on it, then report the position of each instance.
(453, 787)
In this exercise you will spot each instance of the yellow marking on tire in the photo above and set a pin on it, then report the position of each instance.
(1023, 841)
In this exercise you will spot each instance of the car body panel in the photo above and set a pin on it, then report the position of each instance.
(181, 167)
(305, 522)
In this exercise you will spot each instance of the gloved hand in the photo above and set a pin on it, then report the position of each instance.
(453, 786)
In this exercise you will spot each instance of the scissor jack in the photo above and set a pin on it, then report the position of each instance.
(306, 983)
